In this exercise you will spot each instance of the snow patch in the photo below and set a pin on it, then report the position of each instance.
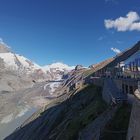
(45, 86)
(58, 66)
(52, 86)
(11, 60)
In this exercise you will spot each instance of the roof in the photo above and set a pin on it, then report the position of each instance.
(125, 55)
(117, 59)
(102, 64)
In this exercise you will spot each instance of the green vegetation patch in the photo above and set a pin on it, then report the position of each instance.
(117, 128)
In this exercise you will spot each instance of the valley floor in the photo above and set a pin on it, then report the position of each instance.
(18, 106)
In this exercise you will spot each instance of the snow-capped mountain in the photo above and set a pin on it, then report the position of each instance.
(16, 62)
(58, 70)
(59, 66)
(22, 66)
(24, 85)
(3, 47)
(19, 64)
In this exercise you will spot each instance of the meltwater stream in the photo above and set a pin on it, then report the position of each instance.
(7, 128)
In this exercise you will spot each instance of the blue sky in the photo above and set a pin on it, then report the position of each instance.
(69, 31)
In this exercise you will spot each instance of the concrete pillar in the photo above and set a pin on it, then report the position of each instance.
(139, 86)
(131, 90)
(126, 89)
(123, 88)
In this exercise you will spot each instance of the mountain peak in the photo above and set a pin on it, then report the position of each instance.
(59, 65)
(4, 48)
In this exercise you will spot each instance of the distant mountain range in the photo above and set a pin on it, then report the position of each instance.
(57, 70)
(24, 85)
(10, 61)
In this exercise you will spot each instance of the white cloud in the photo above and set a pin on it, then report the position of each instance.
(130, 22)
(117, 51)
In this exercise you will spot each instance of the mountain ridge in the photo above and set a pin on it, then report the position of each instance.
(23, 66)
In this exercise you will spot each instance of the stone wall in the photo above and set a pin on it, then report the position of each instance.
(97, 81)
(134, 125)
(106, 93)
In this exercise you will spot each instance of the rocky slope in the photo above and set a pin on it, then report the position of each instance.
(77, 115)
(64, 118)
(17, 71)
(19, 68)
(78, 112)
(25, 85)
